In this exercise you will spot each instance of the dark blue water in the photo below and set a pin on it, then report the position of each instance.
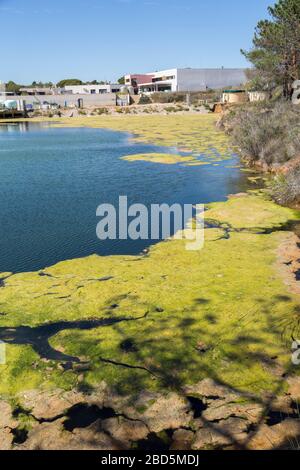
(53, 179)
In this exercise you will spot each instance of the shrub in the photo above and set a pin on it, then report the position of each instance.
(172, 109)
(285, 189)
(268, 134)
(101, 111)
(168, 97)
(144, 99)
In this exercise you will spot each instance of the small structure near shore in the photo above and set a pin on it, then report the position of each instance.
(234, 97)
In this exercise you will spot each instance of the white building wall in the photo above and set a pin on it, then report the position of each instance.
(88, 89)
(203, 79)
(168, 73)
(71, 100)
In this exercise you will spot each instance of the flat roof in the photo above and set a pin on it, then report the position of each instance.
(234, 91)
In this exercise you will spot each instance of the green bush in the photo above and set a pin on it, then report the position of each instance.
(172, 109)
(144, 99)
(168, 97)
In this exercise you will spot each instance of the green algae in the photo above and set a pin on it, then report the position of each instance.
(164, 158)
(189, 133)
(229, 295)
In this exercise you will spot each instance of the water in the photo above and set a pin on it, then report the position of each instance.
(53, 179)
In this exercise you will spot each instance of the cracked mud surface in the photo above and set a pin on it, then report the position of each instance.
(216, 418)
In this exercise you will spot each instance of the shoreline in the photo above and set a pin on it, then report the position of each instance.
(225, 325)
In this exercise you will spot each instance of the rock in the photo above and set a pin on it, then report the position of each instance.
(50, 404)
(164, 412)
(294, 387)
(124, 430)
(6, 439)
(283, 435)
(7, 423)
(249, 412)
(230, 432)
(282, 404)
(6, 418)
(157, 411)
(53, 436)
(182, 440)
(210, 389)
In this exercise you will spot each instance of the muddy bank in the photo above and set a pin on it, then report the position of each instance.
(204, 416)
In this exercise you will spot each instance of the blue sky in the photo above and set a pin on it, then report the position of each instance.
(103, 39)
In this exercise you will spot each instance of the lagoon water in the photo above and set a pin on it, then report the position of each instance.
(53, 179)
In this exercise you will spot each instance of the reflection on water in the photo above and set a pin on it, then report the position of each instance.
(52, 180)
(20, 126)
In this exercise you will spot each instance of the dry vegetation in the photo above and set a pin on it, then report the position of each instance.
(268, 136)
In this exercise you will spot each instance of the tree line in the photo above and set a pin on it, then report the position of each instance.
(13, 87)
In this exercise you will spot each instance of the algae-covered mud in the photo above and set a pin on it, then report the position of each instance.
(171, 348)
(228, 296)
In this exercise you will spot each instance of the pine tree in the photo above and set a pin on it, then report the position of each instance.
(276, 48)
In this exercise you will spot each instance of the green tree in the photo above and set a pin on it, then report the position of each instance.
(41, 84)
(69, 81)
(121, 81)
(276, 48)
(12, 87)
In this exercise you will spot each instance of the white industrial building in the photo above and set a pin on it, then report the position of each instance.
(92, 89)
(192, 80)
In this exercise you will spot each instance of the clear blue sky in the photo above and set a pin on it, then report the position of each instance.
(103, 39)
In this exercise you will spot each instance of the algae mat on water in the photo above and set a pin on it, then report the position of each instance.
(169, 318)
(196, 134)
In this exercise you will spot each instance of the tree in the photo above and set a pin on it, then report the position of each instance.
(276, 48)
(69, 81)
(121, 81)
(12, 87)
(36, 84)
